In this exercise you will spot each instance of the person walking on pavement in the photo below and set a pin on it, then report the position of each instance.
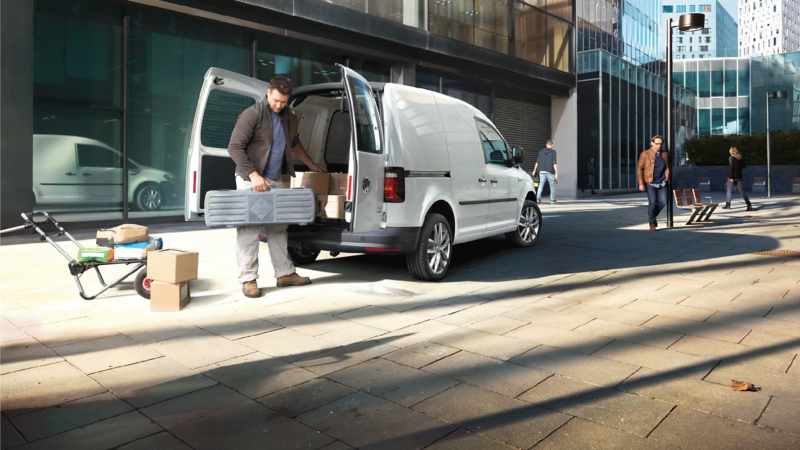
(735, 166)
(653, 173)
(549, 171)
(262, 144)
(589, 176)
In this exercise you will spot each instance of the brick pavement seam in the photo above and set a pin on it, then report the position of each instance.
(764, 410)
(660, 422)
(791, 363)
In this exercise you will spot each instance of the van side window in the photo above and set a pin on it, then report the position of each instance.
(494, 147)
(94, 156)
(222, 112)
(365, 112)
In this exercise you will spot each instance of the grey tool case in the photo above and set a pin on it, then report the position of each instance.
(241, 208)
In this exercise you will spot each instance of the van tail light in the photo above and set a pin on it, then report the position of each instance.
(349, 188)
(394, 185)
(194, 182)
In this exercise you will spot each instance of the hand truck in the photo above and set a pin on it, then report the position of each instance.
(141, 282)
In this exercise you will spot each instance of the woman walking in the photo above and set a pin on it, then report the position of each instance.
(735, 166)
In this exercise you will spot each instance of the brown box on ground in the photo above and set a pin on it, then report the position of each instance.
(169, 296)
(331, 206)
(338, 184)
(172, 265)
(286, 181)
(316, 181)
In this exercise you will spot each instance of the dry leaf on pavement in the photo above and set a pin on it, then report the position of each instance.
(743, 386)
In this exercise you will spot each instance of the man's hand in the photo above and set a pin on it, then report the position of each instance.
(641, 187)
(556, 177)
(258, 182)
(316, 168)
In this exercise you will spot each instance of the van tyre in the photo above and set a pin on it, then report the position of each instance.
(302, 258)
(529, 226)
(149, 197)
(142, 284)
(431, 258)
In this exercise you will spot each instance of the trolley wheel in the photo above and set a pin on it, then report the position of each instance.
(142, 283)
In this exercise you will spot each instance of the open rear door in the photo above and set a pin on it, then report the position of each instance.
(367, 154)
(209, 167)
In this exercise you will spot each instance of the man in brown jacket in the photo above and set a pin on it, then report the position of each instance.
(653, 173)
(262, 145)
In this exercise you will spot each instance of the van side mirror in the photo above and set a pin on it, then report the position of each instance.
(517, 155)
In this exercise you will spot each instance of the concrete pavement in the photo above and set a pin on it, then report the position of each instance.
(602, 335)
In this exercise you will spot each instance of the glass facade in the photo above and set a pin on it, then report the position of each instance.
(80, 131)
(620, 108)
(477, 95)
(407, 12)
(769, 74)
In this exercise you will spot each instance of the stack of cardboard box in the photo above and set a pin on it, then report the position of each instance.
(330, 189)
(171, 270)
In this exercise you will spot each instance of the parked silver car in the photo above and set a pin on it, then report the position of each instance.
(79, 170)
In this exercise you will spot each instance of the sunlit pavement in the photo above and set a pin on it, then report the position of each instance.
(602, 335)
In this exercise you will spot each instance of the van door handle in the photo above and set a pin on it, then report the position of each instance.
(87, 174)
(70, 174)
(481, 180)
(494, 181)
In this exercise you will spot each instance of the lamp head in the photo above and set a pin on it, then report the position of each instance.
(691, 22)
(779, 94)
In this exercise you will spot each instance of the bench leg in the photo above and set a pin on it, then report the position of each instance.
(694, 214)
(711, 211)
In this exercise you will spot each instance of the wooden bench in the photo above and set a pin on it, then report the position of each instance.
(759, 184)
(795, 184)
(710, 207)
(705, 184)
(687, 204)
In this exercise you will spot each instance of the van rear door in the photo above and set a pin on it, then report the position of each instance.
(223, 97)
(367, 165)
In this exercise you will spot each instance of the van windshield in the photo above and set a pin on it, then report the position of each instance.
(365, 112)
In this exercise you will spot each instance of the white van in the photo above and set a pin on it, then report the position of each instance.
(425, 171)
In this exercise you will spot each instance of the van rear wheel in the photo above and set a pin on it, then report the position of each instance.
(302, 257)
(431, 259)
(529, 226)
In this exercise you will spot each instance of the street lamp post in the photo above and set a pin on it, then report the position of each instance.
(687, 22)
(776, 94)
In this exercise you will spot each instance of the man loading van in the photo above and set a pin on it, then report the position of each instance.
(262, 144)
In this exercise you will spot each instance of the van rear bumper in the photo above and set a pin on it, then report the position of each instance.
(397, 241)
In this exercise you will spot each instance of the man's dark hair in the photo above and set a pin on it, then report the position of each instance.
(658, 136)
(282, 84)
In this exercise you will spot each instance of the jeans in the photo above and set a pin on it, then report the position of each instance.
(740, 186)
(247, 244)
(551, 179)
(589, 183)
(656, 201)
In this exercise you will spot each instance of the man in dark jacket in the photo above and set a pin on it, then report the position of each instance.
(589, 176)
(262, 145)
(547, 166)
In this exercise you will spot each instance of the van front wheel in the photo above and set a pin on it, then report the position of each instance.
(431, 259)
(529, 226)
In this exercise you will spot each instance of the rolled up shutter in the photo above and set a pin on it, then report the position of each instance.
(523, 118)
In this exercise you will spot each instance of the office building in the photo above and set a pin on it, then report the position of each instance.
(716, 40)
(768, 27)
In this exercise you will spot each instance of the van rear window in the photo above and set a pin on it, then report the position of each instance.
(222, 111)
(365, 112)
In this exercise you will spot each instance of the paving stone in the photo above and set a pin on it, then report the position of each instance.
(25, 353)
(109, 433)
(556, 302)
(763, 340)
(68, 332)
(656, 358)
(201, 350)
(229, 324)
(160, 441)
(498, 325)
(10, 332)
(782, 414)
(249, 426)
(256, 375)
(288, 345)
(545, 317)
(630, 333)
(470, 315)
(105, 353)
(583, 434)
(497, 376)
(368, 422)
(610, 407)
(498, 417)
(419, 355)
(69, 415)
(603, 372)
(307, 396)
(684, 312)
(690, 429)
(713, 348)
(487, 344)
(29, 390)
(351, 334)
(10, 437)
(557, 337)
(695, 328)
(611, 314)
(343, 357)
(336, 445)
(312, 324)
(462, 439)
(153, 381)
(697, 394)
(771, 382)
(394, 382)
(161, 329)
(178, 410)
(414, 334)
(384, 319)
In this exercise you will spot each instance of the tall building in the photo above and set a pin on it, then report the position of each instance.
(716, 40)
(768, 27)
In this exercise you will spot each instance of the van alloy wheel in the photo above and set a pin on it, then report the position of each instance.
(150, 198)
(528, 225)
(439, 249)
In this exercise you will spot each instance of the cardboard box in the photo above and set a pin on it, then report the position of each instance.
(172, 265)
(123, 234)
(331, 206)
(316, 181)
(286, 181)
(169, 296)
(338, 184)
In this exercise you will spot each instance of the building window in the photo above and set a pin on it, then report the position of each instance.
(705, 8)
(708, 40)
(668, 8)
(680, 8)
(681, 48)
(706, 30)
(680, 40)
(691, 8)
(703, 48)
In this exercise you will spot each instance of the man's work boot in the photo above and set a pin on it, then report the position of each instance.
(727, 205)
(749, 207)
(652, 227)
(293, 280)
(250, 289)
